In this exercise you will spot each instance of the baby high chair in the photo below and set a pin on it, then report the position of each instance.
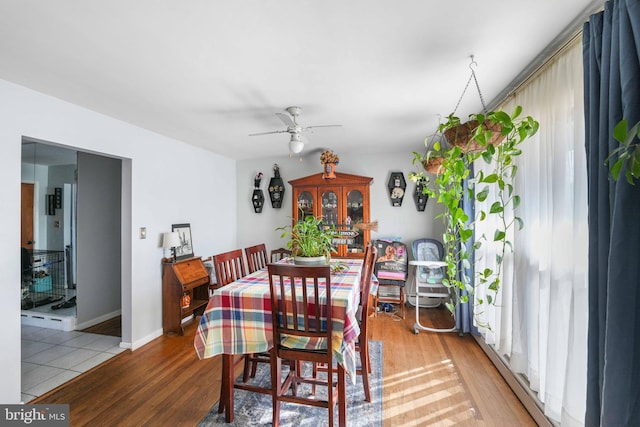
(428, 275)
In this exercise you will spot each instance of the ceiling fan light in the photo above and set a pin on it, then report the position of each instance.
(295, 144)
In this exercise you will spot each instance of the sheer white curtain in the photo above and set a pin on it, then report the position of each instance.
(539, 322)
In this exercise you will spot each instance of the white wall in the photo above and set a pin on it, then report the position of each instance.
(404, 221)
(157, 198)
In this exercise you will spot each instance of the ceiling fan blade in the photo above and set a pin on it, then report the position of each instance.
(310, 128)
(267, 133)
(286, 119)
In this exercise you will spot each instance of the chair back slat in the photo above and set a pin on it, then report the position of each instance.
(256, 257)
(280, 253)
(229, 267)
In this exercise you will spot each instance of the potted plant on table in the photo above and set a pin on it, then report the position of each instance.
(310, 240)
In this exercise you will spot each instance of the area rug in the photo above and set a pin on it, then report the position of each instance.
(254, 409)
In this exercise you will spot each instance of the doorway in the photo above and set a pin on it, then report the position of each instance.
(71, 235)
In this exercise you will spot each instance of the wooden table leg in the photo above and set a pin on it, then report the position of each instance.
(342, 396)
(226, 397)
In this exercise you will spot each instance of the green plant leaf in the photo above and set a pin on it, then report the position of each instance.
(482, 195)
(508, 244)
(489, 299)
(516, 201)
(498, 235)
(520, 222)
(491, 178)
(496, 207)
(616, 168)
(465, 235)
(620, 131)
(516, 112)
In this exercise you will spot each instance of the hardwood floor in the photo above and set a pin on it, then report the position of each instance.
(111, 327)
(429, 380)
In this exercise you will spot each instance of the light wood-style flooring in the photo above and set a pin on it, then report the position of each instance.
(429, 380)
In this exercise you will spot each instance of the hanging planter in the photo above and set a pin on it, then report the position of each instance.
(494, 137)
(465, 135)
(433, 165)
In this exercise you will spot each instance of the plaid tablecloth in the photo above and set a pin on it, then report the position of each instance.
(237, 319)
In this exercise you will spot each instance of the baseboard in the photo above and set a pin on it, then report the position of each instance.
(145, 340)
(97, 320)
(518, 387)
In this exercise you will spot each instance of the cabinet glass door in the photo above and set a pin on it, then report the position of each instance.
(305, 204)
(330, 214)
(354, 216)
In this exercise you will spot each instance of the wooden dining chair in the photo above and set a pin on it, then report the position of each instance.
(362, 344)
(278, 254)
(256, 257)
(362, 315)
(229, 267)
(295, 292)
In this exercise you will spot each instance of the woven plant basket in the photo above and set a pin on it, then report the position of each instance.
(461, 135)
(433, 165)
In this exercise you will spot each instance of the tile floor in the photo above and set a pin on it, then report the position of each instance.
(52, 357)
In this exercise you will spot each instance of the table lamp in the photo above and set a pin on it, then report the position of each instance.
(171, 240)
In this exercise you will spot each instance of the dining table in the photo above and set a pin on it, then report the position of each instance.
(237, 320)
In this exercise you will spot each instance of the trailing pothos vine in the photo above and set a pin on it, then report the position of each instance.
(627, 153)
(495, 137)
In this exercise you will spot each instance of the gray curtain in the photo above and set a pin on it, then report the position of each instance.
(611, 43)
(464, 312)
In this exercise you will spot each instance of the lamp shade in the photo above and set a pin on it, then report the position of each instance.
(295, 144)
(170, 240)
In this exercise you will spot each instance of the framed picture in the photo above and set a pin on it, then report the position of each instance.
(185, 250)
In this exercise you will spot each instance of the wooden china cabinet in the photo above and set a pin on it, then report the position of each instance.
(342, 202)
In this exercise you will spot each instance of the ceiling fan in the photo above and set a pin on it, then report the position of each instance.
(296, 142)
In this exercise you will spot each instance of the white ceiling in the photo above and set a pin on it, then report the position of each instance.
(210, 72)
